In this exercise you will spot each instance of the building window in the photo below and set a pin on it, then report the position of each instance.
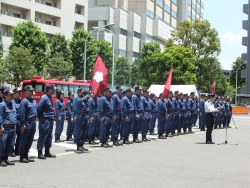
(201, 14)
(48, 4)
(198, 10)
(137, 35)
(136, 55)
(122, 53)
(167, 8)
(150, 14)
(190, 2)
(16, 15)
(173, 13)
(199, 1)
(193, 17)
(202, 4)
(174, 1)
(189, 14)
(48, 22)
(159, 3)
(124, 32)
(158, 17)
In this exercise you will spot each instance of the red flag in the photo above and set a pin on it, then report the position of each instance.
(213, 87)
(166, 89)
(99, 77)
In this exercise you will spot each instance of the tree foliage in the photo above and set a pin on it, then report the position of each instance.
(123, 71)
(77, 46)
(59, 47)
(28, 35)
(241, 81)
(58, 68)
(18, 66)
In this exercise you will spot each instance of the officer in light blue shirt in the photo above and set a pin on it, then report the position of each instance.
(45, 113)
(7, 127)
(60, 115)
(28, 113)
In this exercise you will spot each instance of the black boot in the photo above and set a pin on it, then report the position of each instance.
(8, 162)
(92, 141)
(125, 141)
(79, 147)
(12, 153)
(48, 154)
(28, 158)
(69, 137)
(105, 145)
(40, 154)
(16, 151)
(60, 140)
(115, 142)
(2, 162)
(23, 158)
(57, 139)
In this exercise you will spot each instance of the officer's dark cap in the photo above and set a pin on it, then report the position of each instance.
(180, 93)
(137, 87)
(8, 91)
(3, 88)
(185, 94)
(114, 92)
(124, 92)
(176, 92)
(108, 89)
(216, 97)
(171, 92)
(192, 93)
(211, 95)
(128, 90)
(80, 89)
(60, 92)
(160, 94)
(50, 86)
(202, 95)
(118, 87)
(152, 94)
(17, 89)
(70, 93)
(145, 91)
(28, 88)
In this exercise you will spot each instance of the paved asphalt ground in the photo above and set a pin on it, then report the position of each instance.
(183, 161)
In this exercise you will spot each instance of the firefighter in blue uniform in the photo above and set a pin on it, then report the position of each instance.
(181, 114)
(147, 115)
(154, 114)
(28, 111)
(94, 120)
(202, 113)
(216, 114)
(70, 115)
(169, 115)
(221, 111)
(162, 116)
(196, 101)
(185, 113)
(7, 127)
(176, 113)
(60, 115)
(81, 119)
(45, 113)
(2, 88)
(139, 112)
(16, 102)
(229, 113)
(117, 125)
(107, 117)
(128, 116)
(192, 110)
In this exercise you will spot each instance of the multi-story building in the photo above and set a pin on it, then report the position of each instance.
(227, 74)
(245, 91)
(138, 21)
(52, 16)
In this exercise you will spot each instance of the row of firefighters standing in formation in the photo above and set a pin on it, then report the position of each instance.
(116, 114)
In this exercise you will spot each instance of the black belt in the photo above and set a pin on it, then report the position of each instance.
(140, 111)
(109, 115)
(163, 113)
(49, 117)
(9, 125)
(130, 111)
(18, 117)
(34, 118)
(84, 113)
(95, 112)
(147, 110)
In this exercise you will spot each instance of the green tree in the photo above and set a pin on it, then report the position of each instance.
(18, 66)
(149, 48)
(77, 45)
(135, 72)
(28, 35)
(155, 68)
(123, 71)
(58, 68)
(241, 81)
(59, 47)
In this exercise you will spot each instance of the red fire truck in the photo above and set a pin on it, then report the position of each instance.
(39, 84)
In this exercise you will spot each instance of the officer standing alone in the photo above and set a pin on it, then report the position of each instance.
(45, 113)
(7, 127)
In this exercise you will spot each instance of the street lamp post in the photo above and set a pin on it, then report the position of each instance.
(85, 46)
(237, 82)
(113, 58)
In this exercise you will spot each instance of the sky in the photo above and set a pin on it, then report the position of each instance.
(226, 17)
